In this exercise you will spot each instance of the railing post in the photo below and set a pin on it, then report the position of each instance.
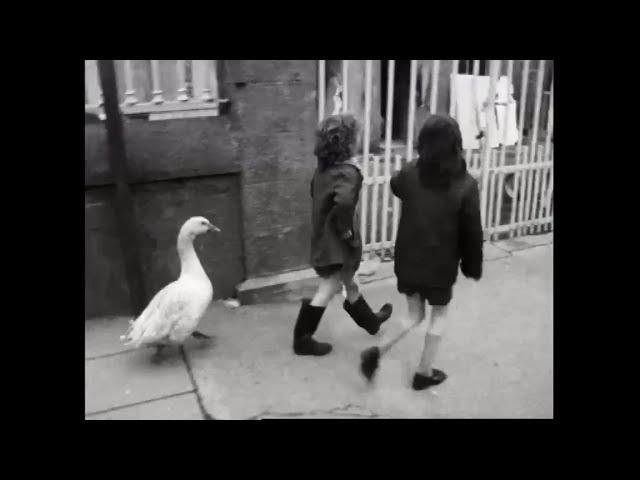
(345, 85)
(534, 140)
(322, 87)
(365, 149)
(213, 79)
(452, 90)
(474, 99)
(503, 146)
(201, 81)
(182, 82)
(155, 80)
(396, 204)
(412, 108)
(92, 84)
(123, 200)
(486, 154)
(130, 93)
(435, 76)
(518, 178)
(387, 150)
(547, 153)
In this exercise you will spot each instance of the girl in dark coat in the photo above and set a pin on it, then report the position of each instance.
(439, 229)
(336, 246)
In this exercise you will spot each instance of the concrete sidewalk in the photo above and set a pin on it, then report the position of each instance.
(497, 351)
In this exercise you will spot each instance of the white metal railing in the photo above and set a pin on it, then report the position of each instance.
(516, 179)
(163, 89)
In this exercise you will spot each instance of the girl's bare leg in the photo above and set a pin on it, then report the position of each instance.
(432, 339)
(415, 315)
(309, 317)
(350, 285)
(326, 290)
(415, 307)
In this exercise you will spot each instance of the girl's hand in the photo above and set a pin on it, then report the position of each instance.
(347, 235)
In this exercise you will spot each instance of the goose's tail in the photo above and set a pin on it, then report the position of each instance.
(134, 335)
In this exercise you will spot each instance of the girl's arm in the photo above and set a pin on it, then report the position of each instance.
(471, 235)
(396, 183)
(345, 200)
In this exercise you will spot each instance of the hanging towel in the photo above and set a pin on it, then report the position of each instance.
(472, 112)
(506, 107)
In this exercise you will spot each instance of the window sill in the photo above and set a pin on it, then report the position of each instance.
(163, 111)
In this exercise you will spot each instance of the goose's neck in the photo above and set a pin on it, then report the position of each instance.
(189, 262)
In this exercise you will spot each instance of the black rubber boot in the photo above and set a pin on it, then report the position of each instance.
(306, 325)
(420, 382)
(364, 317)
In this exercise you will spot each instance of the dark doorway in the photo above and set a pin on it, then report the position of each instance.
(465, 67)
(400, 96)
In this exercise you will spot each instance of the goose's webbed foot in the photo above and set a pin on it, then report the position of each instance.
(158, 357)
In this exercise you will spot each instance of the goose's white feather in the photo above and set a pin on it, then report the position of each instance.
(175, 311)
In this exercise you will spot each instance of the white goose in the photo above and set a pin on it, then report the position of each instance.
(174, 313)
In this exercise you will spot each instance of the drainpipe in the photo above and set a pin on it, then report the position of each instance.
(123, 200)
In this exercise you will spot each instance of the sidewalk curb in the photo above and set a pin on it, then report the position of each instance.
(291, 286)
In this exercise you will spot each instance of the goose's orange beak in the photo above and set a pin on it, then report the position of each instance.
(213, 228)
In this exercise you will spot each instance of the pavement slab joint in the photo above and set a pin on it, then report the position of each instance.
(342, 410)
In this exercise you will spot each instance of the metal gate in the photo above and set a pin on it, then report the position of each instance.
(515, 173)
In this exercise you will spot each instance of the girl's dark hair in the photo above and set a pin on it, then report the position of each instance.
(440, 154)
(336, 139)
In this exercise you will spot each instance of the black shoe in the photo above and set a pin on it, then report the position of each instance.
(306, 325)
(364, 317)
(420, 382)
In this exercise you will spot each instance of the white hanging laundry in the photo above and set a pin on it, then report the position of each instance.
(506, 109)
(465, 109)
(472, 111)
(337, 101)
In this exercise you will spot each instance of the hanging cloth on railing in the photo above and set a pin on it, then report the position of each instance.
(472, 111)
(505, 111)
(337, 101)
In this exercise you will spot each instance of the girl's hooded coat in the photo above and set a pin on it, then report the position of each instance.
(440, 227)
(335, 192)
